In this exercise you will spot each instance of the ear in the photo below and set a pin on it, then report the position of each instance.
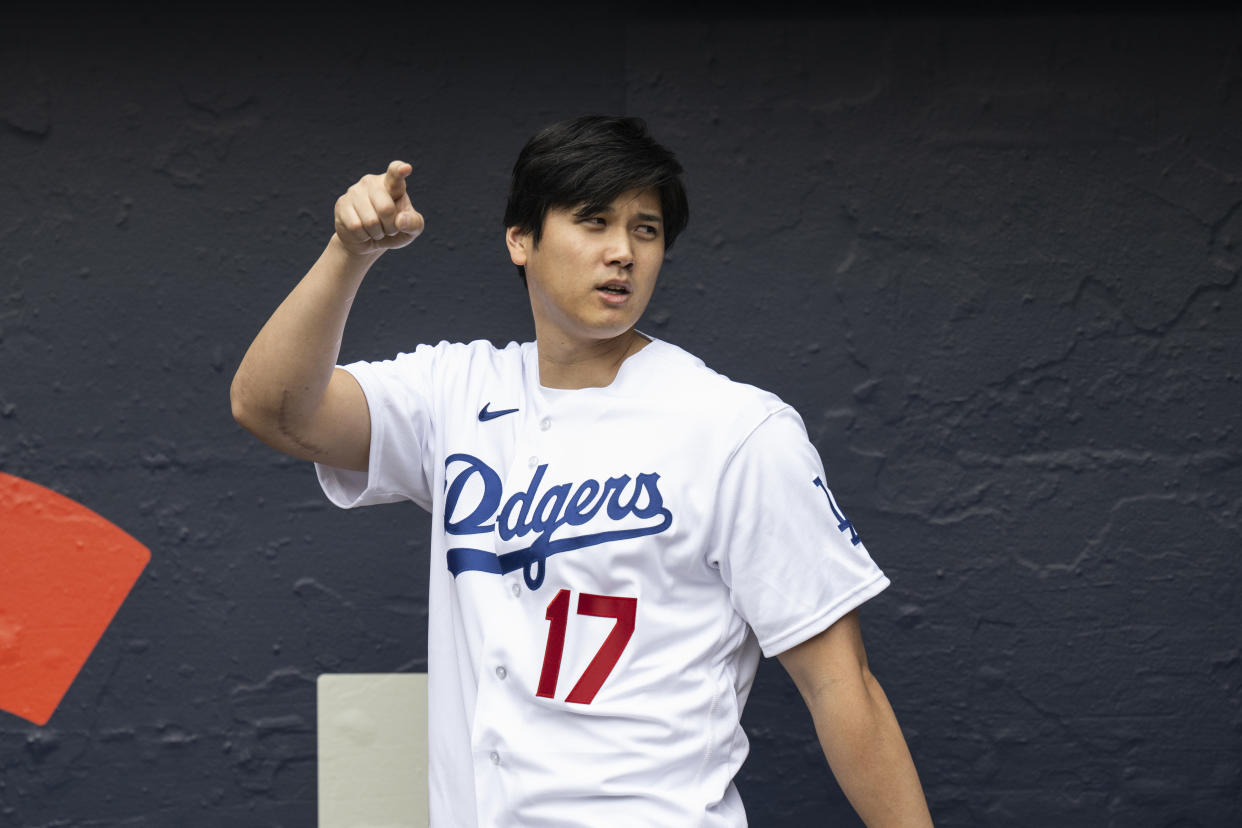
(519, 243)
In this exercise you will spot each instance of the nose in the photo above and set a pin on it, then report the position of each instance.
(620, 250)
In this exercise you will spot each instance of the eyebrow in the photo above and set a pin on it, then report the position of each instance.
(585, 210)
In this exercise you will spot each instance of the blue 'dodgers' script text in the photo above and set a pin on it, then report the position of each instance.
(541, 513)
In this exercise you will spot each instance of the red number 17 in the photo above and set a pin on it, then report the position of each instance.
(601, 606)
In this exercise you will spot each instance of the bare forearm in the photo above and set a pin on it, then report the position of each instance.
(869, 757)
(286, 371)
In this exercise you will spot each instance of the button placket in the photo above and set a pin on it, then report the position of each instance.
(538, 426)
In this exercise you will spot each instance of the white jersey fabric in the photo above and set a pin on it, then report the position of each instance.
(607, 565)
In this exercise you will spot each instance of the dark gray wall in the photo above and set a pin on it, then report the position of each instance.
(992, 261)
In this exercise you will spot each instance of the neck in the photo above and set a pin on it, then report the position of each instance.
(594, 365)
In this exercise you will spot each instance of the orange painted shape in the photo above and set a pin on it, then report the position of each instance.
(64, 572)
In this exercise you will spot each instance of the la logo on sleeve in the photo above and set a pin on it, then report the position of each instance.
(64, 572)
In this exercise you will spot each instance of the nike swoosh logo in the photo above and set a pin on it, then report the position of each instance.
(485, 415)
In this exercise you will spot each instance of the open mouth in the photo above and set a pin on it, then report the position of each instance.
(615, 288)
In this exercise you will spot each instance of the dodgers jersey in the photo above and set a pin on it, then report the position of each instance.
(607, 565)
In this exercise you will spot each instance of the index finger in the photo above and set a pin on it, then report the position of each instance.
(394, 178)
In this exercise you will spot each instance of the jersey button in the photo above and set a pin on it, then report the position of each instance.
(495, 757)
(545, 424)
(517, 590)
(533, 461)
(502, 673)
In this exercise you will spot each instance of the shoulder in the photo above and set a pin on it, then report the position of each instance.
(718, 408)
(677, 372)
(479, 353)
(441, 376)
(476, 350)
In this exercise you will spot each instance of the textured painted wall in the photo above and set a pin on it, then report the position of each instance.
(993, 262)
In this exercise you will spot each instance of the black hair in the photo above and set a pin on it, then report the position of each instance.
(586, 162)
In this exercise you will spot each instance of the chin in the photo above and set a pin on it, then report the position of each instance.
(609, 328)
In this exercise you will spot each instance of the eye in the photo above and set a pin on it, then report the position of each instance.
(592, 221)
(649, 231)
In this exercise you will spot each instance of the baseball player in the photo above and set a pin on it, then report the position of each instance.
(619, 532)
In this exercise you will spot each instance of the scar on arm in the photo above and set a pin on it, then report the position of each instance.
(289, 434)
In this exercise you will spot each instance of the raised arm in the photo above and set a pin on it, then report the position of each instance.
(288, 391)
(857, 728)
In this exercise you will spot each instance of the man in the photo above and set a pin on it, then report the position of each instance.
(618, 530)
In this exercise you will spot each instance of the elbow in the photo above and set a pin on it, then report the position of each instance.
(245, 413)
(267, 415)
(237, 402)
(241, 414)
(266, 421)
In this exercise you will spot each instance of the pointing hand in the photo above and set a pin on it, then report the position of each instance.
(375, 214)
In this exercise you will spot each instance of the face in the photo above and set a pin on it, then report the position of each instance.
(591, 275)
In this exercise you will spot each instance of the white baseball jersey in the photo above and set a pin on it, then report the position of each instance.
(606, 566)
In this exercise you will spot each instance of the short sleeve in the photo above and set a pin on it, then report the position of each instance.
(791, 560)
(399, 394)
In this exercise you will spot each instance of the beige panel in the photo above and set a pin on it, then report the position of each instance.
(373, 750)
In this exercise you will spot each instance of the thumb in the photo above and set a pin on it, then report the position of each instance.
(410, 221)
